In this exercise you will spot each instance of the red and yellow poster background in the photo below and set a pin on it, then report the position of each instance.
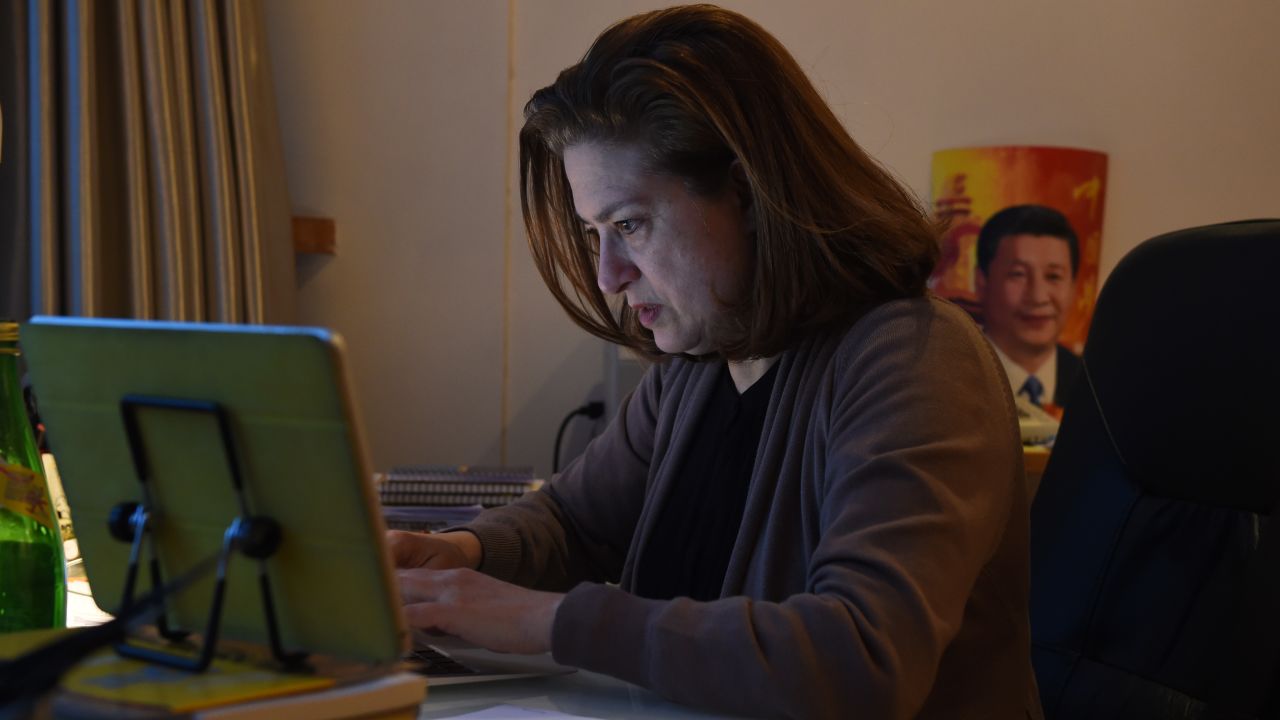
(969, 185)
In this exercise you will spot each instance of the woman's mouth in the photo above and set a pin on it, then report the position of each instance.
(647, 314)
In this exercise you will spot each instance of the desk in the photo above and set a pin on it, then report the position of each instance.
(580, 693)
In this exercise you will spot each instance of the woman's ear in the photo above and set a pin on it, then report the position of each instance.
(741, 187)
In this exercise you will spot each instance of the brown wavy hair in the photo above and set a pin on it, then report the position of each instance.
(700, 88)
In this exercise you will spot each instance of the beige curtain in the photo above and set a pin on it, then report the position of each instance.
(156, 183)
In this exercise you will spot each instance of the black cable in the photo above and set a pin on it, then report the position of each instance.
(592, 410)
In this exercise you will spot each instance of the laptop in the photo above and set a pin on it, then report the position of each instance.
(194, 406)
(449, 661)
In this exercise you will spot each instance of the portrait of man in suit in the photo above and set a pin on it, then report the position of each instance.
(1027, 260)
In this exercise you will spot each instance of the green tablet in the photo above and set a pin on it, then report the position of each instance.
(191, 406)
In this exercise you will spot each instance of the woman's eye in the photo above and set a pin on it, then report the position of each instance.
(628, 226)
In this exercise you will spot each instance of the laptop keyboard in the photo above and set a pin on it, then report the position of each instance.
(433, 663)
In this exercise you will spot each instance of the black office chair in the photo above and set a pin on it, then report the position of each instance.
(1155, 579)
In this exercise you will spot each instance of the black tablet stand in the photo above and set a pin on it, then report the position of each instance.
(257, 537)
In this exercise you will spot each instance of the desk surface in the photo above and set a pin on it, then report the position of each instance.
(581, 693)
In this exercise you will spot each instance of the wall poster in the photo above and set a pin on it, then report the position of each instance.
(1020, 253)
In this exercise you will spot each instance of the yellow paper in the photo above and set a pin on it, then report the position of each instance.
(108, 676)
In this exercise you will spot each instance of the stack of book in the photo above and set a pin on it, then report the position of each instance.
(112, 687)
(109, 686)
(430, 497)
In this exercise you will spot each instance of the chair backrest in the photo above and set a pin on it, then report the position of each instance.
(1148, 526)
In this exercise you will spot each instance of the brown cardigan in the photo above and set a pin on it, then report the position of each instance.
(881, 567)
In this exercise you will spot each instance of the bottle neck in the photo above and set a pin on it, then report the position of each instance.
(17, 443)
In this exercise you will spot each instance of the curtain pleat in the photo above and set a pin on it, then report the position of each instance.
(217, 165)
(15, 252)
(179, 95)
(46, 261)
(111, 234)
(241, 129)
(80, 138)
(276, 279)
(157, 174)
(136, 180)
(166, 192)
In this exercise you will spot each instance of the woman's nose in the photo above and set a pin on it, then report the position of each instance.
(615, 270)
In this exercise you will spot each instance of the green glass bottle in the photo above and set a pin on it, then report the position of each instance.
(33, 576)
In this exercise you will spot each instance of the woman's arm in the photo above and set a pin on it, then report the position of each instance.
(579, 526)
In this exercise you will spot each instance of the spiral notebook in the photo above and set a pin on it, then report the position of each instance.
(453, 485)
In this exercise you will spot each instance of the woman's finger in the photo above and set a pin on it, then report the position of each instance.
(417, 585)
(405, 547)
(427, 616)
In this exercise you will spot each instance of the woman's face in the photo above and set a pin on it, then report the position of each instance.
(674, 255)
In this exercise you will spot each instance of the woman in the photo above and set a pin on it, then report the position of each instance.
(813, 505)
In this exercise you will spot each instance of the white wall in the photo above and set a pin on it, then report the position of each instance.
(399, 117)
(394, 117)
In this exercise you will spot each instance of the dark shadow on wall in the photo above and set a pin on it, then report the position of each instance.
(532, 429)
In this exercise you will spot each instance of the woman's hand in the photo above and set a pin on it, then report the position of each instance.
(479, 609)
(439, 551)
